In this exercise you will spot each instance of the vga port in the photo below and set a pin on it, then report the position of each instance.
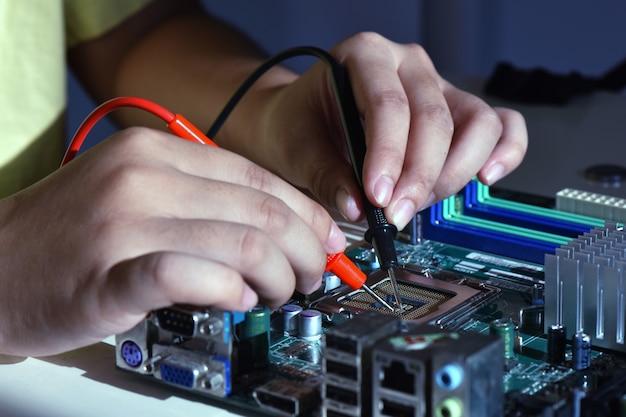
(192, 371)
(178, 375)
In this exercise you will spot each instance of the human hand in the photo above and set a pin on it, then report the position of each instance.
(143, 221)
(426, 139)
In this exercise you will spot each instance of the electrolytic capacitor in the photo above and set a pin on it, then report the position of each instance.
(254, 339)
(310, 324)
(330, 282)
(257, 322)
(505, 329)
(581, 351)
(557, 336)
(290, 314)
(538, 294)
(531, 319)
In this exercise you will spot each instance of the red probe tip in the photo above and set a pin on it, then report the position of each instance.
(340, 265)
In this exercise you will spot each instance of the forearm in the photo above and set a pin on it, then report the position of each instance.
(187, 61)
(193, 64)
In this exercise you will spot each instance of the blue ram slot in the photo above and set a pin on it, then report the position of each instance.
(440, 229)
(478, 203)
(475, 220)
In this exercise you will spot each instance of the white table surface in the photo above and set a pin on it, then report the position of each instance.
(85, 383)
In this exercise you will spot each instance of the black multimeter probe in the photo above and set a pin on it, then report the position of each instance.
(381, 234)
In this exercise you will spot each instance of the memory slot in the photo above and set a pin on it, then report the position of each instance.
(591, 204)
(448, 223)
(479, 203)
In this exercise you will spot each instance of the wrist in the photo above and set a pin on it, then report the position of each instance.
(252, 125)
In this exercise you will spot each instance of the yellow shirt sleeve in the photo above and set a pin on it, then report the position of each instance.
(34, 35)
(88, 19)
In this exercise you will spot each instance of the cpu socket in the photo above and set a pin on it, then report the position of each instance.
(424, 299)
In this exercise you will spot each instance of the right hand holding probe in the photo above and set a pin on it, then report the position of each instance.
(381, 233)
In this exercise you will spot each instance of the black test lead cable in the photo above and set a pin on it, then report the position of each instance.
(381, 234)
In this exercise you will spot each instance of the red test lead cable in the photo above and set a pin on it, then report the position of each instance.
(176, 123)
(340, 265)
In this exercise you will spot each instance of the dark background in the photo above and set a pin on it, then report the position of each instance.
(465, 38)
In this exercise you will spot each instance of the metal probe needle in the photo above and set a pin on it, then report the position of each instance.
(340, 265)
(377, 297)
(396, 290)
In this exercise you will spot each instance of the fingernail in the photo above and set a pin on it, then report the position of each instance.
(429, 201)
(403, 212)
(249, 298)
(347, 205)
(383, 189)
(336, 240)
(494, 173)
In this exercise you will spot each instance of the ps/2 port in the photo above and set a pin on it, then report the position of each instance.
(131, 354)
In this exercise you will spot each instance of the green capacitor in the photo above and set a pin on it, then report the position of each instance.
(254, 339)
(505, 329)
(257, 322)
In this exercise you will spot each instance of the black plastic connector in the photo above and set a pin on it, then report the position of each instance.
(381, 234)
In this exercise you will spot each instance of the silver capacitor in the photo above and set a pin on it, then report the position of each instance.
(310, 324)
(290, 314)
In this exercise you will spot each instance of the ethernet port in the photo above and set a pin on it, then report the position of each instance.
(394, 409)
(396, 377)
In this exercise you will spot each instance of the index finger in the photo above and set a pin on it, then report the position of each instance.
(408, 126)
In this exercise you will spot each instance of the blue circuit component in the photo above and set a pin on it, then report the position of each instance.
(176, 375)
(440, 227)
(521, 231)
(479, 203)
(131, 354)
(226, 373)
